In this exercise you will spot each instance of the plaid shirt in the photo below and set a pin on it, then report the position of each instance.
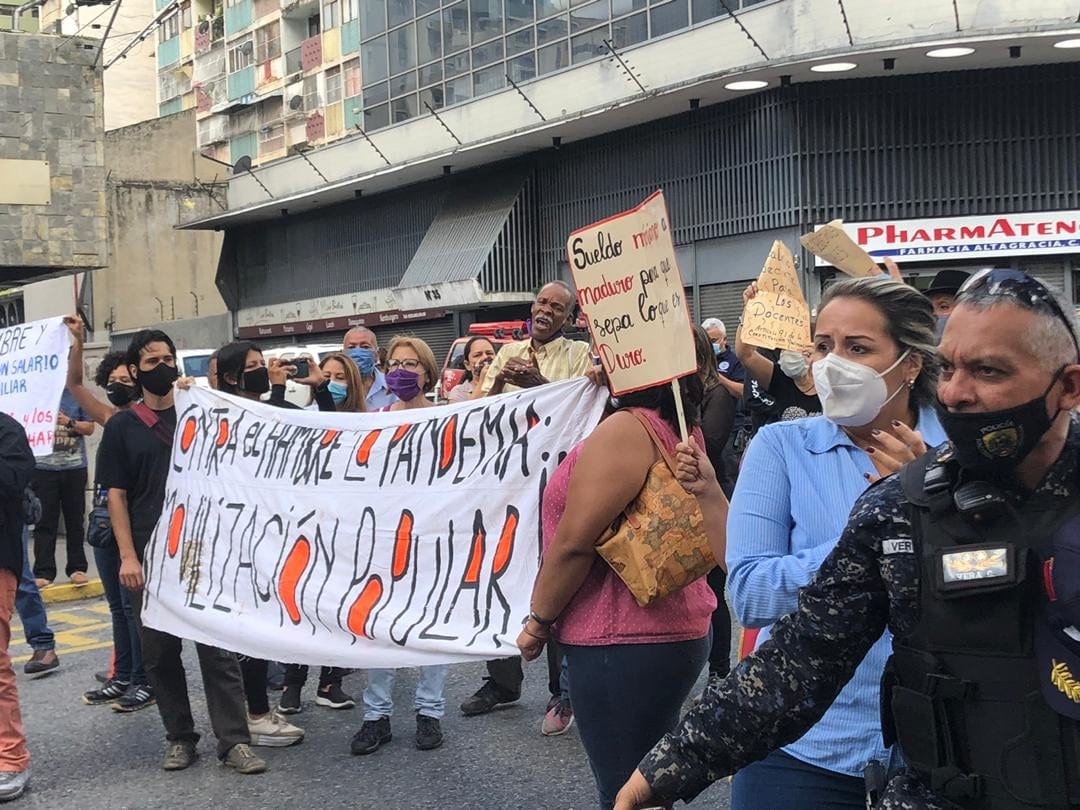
(558, 359)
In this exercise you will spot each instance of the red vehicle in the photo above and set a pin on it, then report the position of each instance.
(499, 333)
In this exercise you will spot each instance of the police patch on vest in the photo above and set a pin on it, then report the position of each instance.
(1064, 682)
(897, 547)
(974, 565)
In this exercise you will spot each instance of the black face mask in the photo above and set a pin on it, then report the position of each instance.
(120, 394)
(993, 444)
(256, 381)
(159, 379)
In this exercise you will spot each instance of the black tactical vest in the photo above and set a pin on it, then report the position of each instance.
(961, 693)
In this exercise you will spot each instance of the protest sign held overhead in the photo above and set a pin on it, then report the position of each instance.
(777, 317)
(630, 289)
(831, 243)
(358, 540)
(33, 371)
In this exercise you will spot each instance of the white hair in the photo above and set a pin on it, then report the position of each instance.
(714, 323)
(1050, 339)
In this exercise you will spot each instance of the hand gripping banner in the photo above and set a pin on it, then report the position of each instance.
(358, 540)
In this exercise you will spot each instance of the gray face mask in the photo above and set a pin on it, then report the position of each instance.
(793, 364)
(939, 328)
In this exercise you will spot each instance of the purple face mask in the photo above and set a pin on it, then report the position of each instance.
(403, 384)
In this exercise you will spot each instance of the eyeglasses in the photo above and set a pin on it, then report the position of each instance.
(1022, 288)
(411, 365)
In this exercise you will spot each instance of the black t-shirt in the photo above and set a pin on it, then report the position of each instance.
(791, 403)
(133, 458)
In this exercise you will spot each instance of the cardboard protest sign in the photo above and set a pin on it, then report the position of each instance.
(33, 372)
(630, 289)
(831, 243)
(358, 540)
(777, 317)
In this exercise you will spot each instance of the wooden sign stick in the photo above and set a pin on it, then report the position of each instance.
(679, 411)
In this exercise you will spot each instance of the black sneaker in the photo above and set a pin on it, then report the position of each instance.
(334, 698)
(106, 694)
(372, 734)
(290, 700)
(428, 733)
(139, 696)
(487, 697)
(41, 663)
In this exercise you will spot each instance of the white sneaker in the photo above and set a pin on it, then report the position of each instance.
(272, 731)
(13, 784)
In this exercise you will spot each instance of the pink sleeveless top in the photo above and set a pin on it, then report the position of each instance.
(603, 611)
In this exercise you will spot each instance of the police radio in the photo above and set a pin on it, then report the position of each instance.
(980, 502)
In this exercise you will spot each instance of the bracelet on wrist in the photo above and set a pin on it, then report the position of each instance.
(545, 623)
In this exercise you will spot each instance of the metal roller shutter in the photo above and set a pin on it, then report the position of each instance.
(723, 301)
(438, 334)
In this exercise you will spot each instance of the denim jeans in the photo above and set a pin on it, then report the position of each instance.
(30, 606)
(429, 700)
(626, 697)
(781, 780)
(128, 664)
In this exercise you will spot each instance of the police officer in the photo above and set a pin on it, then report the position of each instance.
(969, 556)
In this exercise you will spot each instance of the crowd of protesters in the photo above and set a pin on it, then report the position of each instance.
(782, 445)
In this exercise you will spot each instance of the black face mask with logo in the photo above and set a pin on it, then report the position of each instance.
(993, 444)
(120, 394)
(159, 379)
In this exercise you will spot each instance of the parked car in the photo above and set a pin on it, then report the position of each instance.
(295, 393)
(499, 333)
(194, 363)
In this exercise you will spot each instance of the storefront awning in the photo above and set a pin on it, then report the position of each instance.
(444, 270)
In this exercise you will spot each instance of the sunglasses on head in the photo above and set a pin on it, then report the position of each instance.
(1025, 290)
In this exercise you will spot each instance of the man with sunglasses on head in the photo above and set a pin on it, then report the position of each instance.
(971, 557)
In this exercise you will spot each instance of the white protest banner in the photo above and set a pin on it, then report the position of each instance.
(358, 540)
(33, 372)
(777, 317)
(630, 289)
(832, 244)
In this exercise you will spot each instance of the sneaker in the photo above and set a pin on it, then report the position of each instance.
(106, 694)
(179, 756)
(42, 662)
(272, 731)
(243, 760)
(102, 677)
(371, 735)
(13, 784)
(487, 697)
(558, 719)
(334, 698)
(428, 733)
(79, 580)
(139, 696)
(290, 700)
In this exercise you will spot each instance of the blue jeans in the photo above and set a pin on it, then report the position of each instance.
(429, 700)
(30, 606)
(781, 780)
(126, 644)
(626, 697)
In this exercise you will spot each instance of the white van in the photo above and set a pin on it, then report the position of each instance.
(194, 363)
(295, 393)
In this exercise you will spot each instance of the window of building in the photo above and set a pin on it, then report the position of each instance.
(311, 93)
(185, 16)
(486, 20)
(401, 48)
(241, 55)
(373, 57)
(429, 38)
(455, 27)
(398, 12)
(519, 13)
(630, 30)
(668, 17)
(268, 42)
(333, 85)
(330, 15)
(313, 26)
(352, 78)
(170, 28)
(372, 17)
(350, 10)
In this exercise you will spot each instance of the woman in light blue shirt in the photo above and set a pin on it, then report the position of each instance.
(874, 367)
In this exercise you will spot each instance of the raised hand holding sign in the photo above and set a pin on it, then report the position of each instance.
(777, 317)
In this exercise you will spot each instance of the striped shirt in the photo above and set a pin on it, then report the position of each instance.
(558, 359)
(798, 482)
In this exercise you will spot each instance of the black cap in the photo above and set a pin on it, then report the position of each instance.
(947, 281)
(1057, 631)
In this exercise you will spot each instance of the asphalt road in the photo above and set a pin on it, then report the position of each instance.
(91, 757)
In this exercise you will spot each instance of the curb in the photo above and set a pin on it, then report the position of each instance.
(72, 593)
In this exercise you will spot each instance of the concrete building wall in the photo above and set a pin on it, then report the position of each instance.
(51, 103)
(130, 84)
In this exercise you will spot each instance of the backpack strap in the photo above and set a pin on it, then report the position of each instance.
(153, 423)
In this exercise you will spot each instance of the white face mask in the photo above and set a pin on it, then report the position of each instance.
(793, 364)
(852, 394)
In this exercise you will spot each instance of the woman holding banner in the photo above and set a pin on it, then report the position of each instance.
(875, 370)
(630, 667)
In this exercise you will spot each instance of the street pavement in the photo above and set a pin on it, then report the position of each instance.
(93, 758)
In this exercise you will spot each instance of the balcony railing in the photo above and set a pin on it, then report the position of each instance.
(294, 61)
